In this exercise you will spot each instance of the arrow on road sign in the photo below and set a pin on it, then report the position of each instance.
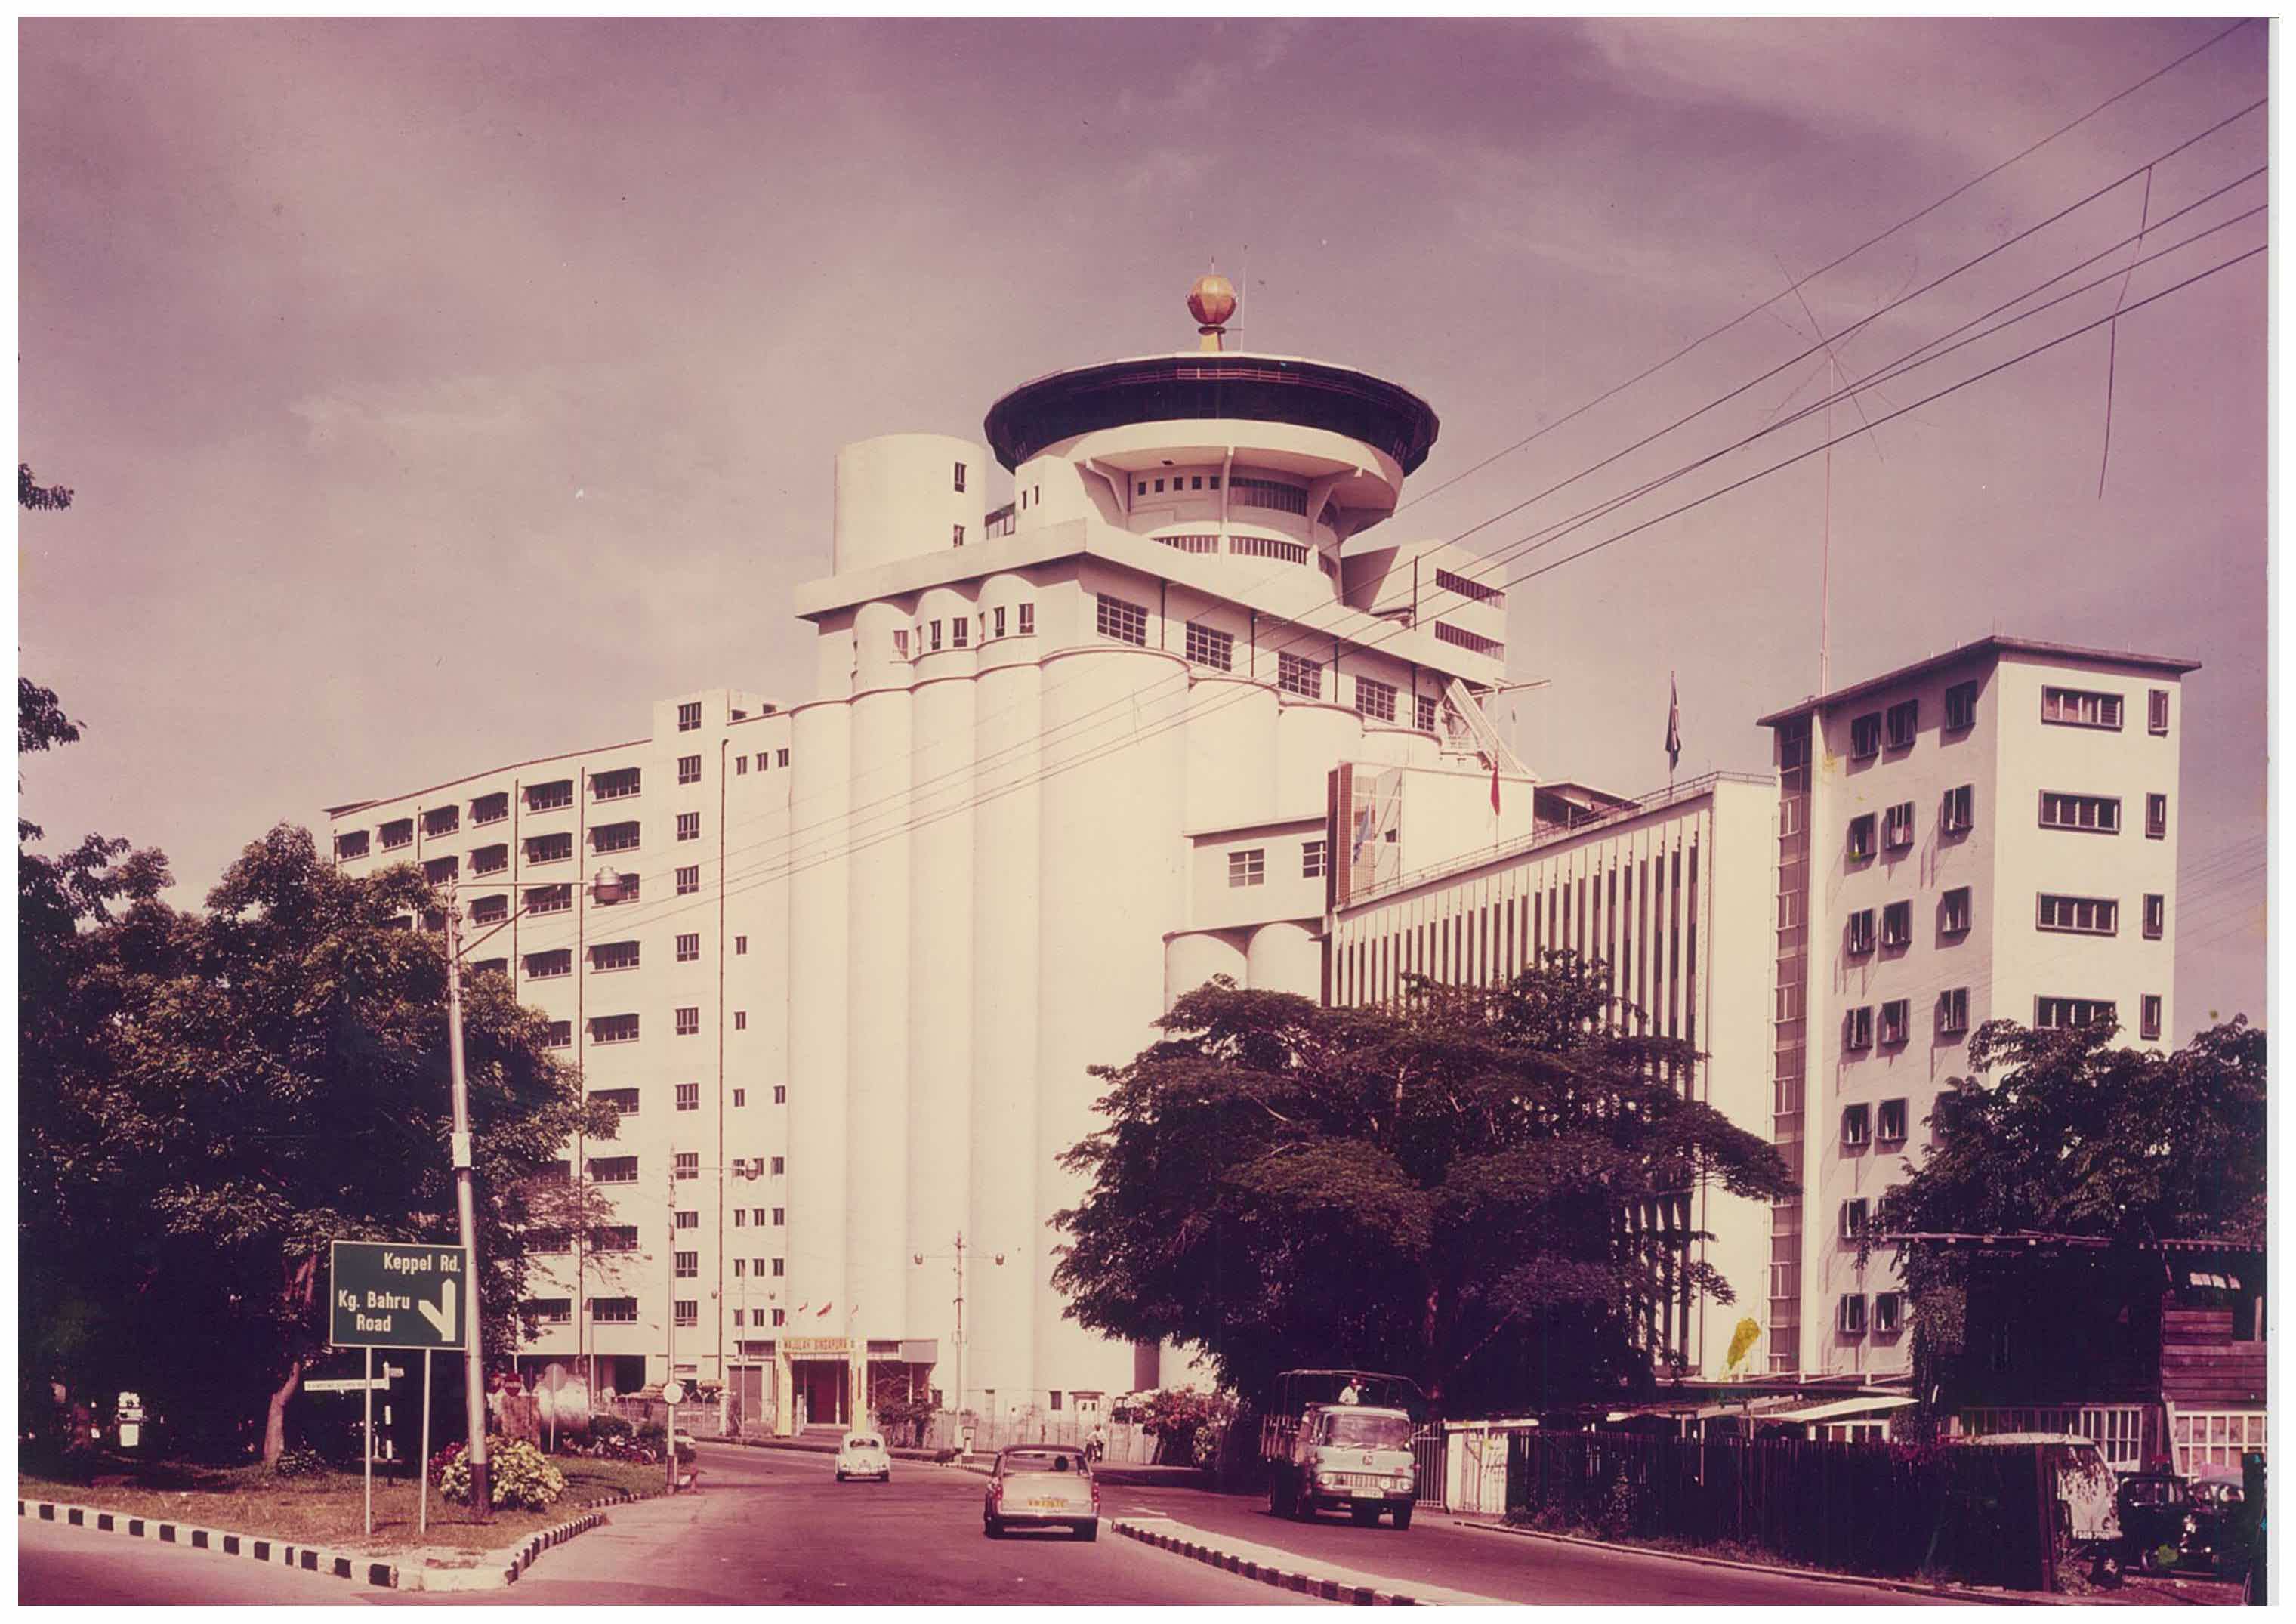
(442, 1317)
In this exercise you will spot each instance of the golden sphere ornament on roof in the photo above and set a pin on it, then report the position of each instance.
(1212, 301)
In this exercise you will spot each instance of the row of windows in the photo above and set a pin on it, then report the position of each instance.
(2086, 916)
(1243, 490)
(1889, 1314)
(624, 1311)
(1957, 814)
(618, 785)
(1128, 622)
(928, 636)
(1885, 1123)
(1449, 582)
(1895, 728)
(1250, 866)
(1859, 1033)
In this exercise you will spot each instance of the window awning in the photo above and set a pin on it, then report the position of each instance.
(1871, 1404)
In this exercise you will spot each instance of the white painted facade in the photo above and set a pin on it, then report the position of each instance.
(1063, 764)
(2001, 915)
(1672, 892)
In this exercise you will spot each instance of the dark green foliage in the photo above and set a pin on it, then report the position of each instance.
(30, 492)
(207, 1099)
(301, 1461)
(2076, 1136)
(1440, 1191)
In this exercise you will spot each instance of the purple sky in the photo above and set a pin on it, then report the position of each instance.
(442, 394)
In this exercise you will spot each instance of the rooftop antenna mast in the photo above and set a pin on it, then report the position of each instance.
(1243, 296)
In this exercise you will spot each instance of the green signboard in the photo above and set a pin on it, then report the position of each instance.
(390, 1294)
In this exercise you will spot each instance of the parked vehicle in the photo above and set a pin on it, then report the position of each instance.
(2160, 1528)
(863, 1455)
(1340, 1437)
(1039, 1486)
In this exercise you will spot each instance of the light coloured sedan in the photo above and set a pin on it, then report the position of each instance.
(1039, 1486)
(863, 1455)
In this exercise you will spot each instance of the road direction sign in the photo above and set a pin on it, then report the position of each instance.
(390, 1294)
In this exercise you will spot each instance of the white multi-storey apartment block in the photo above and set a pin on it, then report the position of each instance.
(1069, 758)
(1990, 834)
(1671, 893)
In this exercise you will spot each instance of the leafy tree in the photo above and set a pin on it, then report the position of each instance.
(1445, 1190)
(30, 492)
(2076, 1136)
(255, 1081)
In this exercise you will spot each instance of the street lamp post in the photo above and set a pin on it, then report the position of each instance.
(752, 1169)
(957, 1341)
(605, 886)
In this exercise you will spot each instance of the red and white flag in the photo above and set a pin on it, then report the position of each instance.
(1673, 723)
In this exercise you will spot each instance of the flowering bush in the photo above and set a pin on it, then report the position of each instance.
(1187, 1426)
(523, 1476)
(517, 1473)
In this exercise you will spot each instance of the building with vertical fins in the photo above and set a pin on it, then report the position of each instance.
(1082, 694)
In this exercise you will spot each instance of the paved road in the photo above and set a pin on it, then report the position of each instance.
(773, 1526)
(1508, 1567)
(59, 1565)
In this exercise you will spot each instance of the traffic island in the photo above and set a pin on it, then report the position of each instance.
(315, 1524)
(1293, 1571)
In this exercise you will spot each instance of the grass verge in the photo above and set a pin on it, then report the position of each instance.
(328, 1509)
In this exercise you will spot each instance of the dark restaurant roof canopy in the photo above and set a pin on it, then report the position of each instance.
(1211, 385)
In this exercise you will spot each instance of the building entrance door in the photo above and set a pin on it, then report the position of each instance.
(820, 1387)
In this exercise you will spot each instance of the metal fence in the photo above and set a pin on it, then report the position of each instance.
(1984, 1515)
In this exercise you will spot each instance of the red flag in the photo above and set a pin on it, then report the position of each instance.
(823, 1309)
(1495, 789)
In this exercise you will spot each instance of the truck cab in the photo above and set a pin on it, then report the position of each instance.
(1341, 1439)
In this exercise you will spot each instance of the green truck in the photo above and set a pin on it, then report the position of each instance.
(1341, 1440)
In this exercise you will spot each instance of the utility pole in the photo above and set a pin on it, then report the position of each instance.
(474, 1395)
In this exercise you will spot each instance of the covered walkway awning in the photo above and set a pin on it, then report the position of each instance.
(1835, 1409)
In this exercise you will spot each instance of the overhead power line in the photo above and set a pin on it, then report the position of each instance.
(834, 851)
(1834, 264)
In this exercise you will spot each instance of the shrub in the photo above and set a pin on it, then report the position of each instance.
(301, 1461)
(522, 1476)
(605, 1424)
(519, 1475)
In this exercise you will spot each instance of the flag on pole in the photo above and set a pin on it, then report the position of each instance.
(825, 1308)
(1673, 724)
(1495, 789)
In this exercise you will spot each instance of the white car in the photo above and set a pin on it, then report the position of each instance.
(1039, 1486)
(863, 1455)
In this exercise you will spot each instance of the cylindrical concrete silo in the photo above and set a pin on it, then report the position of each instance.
(1231, 751)
(1286, 957)
(940, 985)
(1193, 957)
(1000, 1353)
(877, 955)
(819, 912)
(1311, 739)
(1114, 797)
